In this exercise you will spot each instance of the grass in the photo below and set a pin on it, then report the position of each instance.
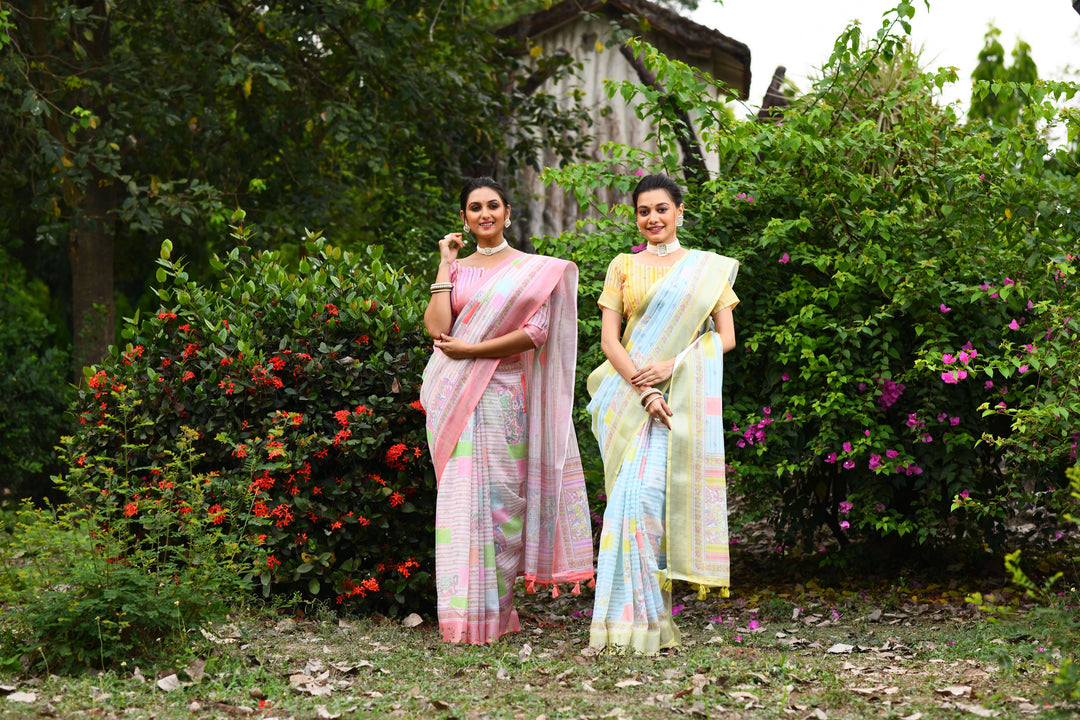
(798, 650)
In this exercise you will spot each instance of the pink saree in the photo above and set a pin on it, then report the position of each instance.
(512, 500)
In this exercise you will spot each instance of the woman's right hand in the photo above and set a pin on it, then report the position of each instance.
(449, 247)
(659, 412)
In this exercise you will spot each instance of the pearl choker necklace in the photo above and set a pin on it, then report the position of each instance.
(663, 249)
(491, 251)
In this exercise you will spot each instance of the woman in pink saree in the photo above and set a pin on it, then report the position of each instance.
(498, 393)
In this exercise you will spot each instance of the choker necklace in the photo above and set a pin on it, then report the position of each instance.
(662, 249)
(491, 251)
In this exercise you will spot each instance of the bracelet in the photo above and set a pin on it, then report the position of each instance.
(650, 402)
(440, 290)
(650, 393)
(442, 286)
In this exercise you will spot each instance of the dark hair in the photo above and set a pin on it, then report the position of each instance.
(659, 182)
(479, 182)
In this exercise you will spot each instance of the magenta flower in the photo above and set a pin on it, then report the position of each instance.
(1008, 281)
(945, 309)
(848, 464)
(954, 421)
(784, 259)
(785, 377)
(754, 624)
(830, 458)
(1014, 325)
(984, 286)
(964, 357)
(847, 447)
(1023, 369)
(948, 359)
(942, 417)
(676, 609)
(891, 453)
(875, 461)
(927, 438)
(964, 494)
(988, 384)
(640, 172)
(845, 506)
(844, 524)
(639, 248)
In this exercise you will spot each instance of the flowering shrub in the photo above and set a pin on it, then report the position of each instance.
(301, 388)
(910, 313)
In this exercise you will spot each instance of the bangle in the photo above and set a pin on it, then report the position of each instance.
(440, 290)
(650, 402)
(441, 287)
(650, 393)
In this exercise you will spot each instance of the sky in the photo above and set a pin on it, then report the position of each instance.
(799, 34)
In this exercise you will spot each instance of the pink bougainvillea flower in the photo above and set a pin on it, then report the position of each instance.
(942, 417)
(785, 377)
(988, 384)
(964, 357)
(784, 259)
(830, 458)
(1008, 281)
(1023, 369)
(954, 421)
(676, 609)
(847, 447)
(848, 464)
(927, 437)
(984, 286)
(639, 248)
(1030, 347)
(1014, 325)
(754, 624)
(948, 359)
(945, 308)
(891, 453)
(965, 494)
(639, 172)
(846, 506)
(866, 432)
(844, 524)
(875, 461)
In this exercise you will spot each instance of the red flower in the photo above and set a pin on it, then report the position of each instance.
(187, 376)
(393, 456)
(240, 451)
(363, 340)
(362, 410)
(335, 525)
(415, 405)
(98, 380)
(272, 561)
(226, 361)
(342, 436)
(396, 499)
(331, 309)
(216, 514)
(342, 416)
(260, 509)
(283, 514)
(363, 520)
(130, 509)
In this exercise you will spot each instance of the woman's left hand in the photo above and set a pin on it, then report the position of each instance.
(653, 374)
(455, 348)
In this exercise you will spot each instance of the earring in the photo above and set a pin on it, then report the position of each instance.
(678, 221)
(507, 223)
(465, 228)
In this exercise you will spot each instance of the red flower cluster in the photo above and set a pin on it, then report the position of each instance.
(394, 456)
(216, 513)
(351, 589)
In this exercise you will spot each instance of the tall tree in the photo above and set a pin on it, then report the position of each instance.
(1005, 109)
(125, 122)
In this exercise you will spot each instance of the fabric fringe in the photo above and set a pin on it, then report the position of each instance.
(554, 590)
(577, 589)
(530, 586)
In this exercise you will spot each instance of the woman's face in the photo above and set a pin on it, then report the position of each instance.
(485, 214)
(656, 214)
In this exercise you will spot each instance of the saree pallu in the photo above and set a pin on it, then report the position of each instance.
(512, 500)
(666, 517)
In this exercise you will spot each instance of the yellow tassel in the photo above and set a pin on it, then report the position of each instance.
(702, 592)
(666, 587)
(577, 589)
(554, 590)
(723, 592)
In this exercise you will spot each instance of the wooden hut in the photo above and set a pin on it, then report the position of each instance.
(593, 33)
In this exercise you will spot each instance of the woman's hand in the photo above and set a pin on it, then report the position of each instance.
(455, 348)
(653, 374)
(658, 410)
(449, 247)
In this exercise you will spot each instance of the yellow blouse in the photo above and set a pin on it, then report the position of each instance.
(628, 281)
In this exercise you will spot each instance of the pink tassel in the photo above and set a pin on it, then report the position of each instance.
(530, 586)
(577, 589)
(592, 582)
(554, 590)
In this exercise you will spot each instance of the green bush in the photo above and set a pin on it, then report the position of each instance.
(909, 315)
(33, 407)
(122, 573)
(301, 388)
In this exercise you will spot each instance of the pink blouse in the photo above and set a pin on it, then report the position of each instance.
(465, 276)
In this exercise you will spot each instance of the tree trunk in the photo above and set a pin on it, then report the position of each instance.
(92, 303)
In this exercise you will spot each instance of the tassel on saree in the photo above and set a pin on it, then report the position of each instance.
(530, 586)
(554, 590)
(577, 588)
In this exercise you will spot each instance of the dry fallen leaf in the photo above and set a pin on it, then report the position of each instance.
(525, 652)
(955, 690)
(977, 710)
(169, 683)
(23, 697)
(196, 670)
(323, 714)
(412, 620)
(629, 682)
(839, 648)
